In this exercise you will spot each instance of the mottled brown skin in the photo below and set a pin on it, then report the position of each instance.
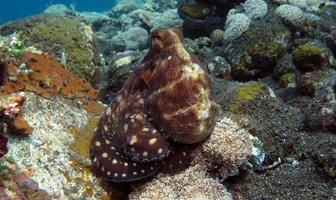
(169, 96)
(114, 154)
(178, 87)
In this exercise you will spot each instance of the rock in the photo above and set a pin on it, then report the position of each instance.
(309, 57)
(255, 53)
(3, 145)
(219, 67)
(160, 5)
(200, 18)
(288, 80)
(66, 38)
(96, 20)
(124, 7)
(166, 20)
(113, 77)
(150, 20)
(290, 14)
(322, 117)
(20, 127)
(331, 41)
(134, 39)
(309, 82)
(46, 154)
(46, 77)
(284, 65)
(326, 157)
(217, 36)
(241, 94)
(15, 184)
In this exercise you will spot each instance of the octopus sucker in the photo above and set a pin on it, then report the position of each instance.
(168, 98)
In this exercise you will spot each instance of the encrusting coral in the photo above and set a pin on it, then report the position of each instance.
(193, 183)
(42, 74)
(226, 149)
(172, 87)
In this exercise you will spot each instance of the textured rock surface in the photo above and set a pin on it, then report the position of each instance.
(46, 154)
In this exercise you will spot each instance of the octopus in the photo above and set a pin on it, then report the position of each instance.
(166, 105)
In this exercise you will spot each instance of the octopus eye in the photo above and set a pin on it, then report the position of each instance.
(157, 42)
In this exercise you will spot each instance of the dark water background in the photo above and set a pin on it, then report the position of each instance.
(14, 9)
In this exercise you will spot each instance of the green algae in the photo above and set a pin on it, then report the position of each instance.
(82, 138)
(66, 38)
(309, 57)
(244, 94)
(272, 49)
(306, 50)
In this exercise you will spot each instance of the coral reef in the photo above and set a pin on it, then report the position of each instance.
(126, 146)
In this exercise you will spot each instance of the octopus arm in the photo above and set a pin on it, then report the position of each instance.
(109, 161)
(143, 143)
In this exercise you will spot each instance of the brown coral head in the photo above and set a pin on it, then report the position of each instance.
(165, 39)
